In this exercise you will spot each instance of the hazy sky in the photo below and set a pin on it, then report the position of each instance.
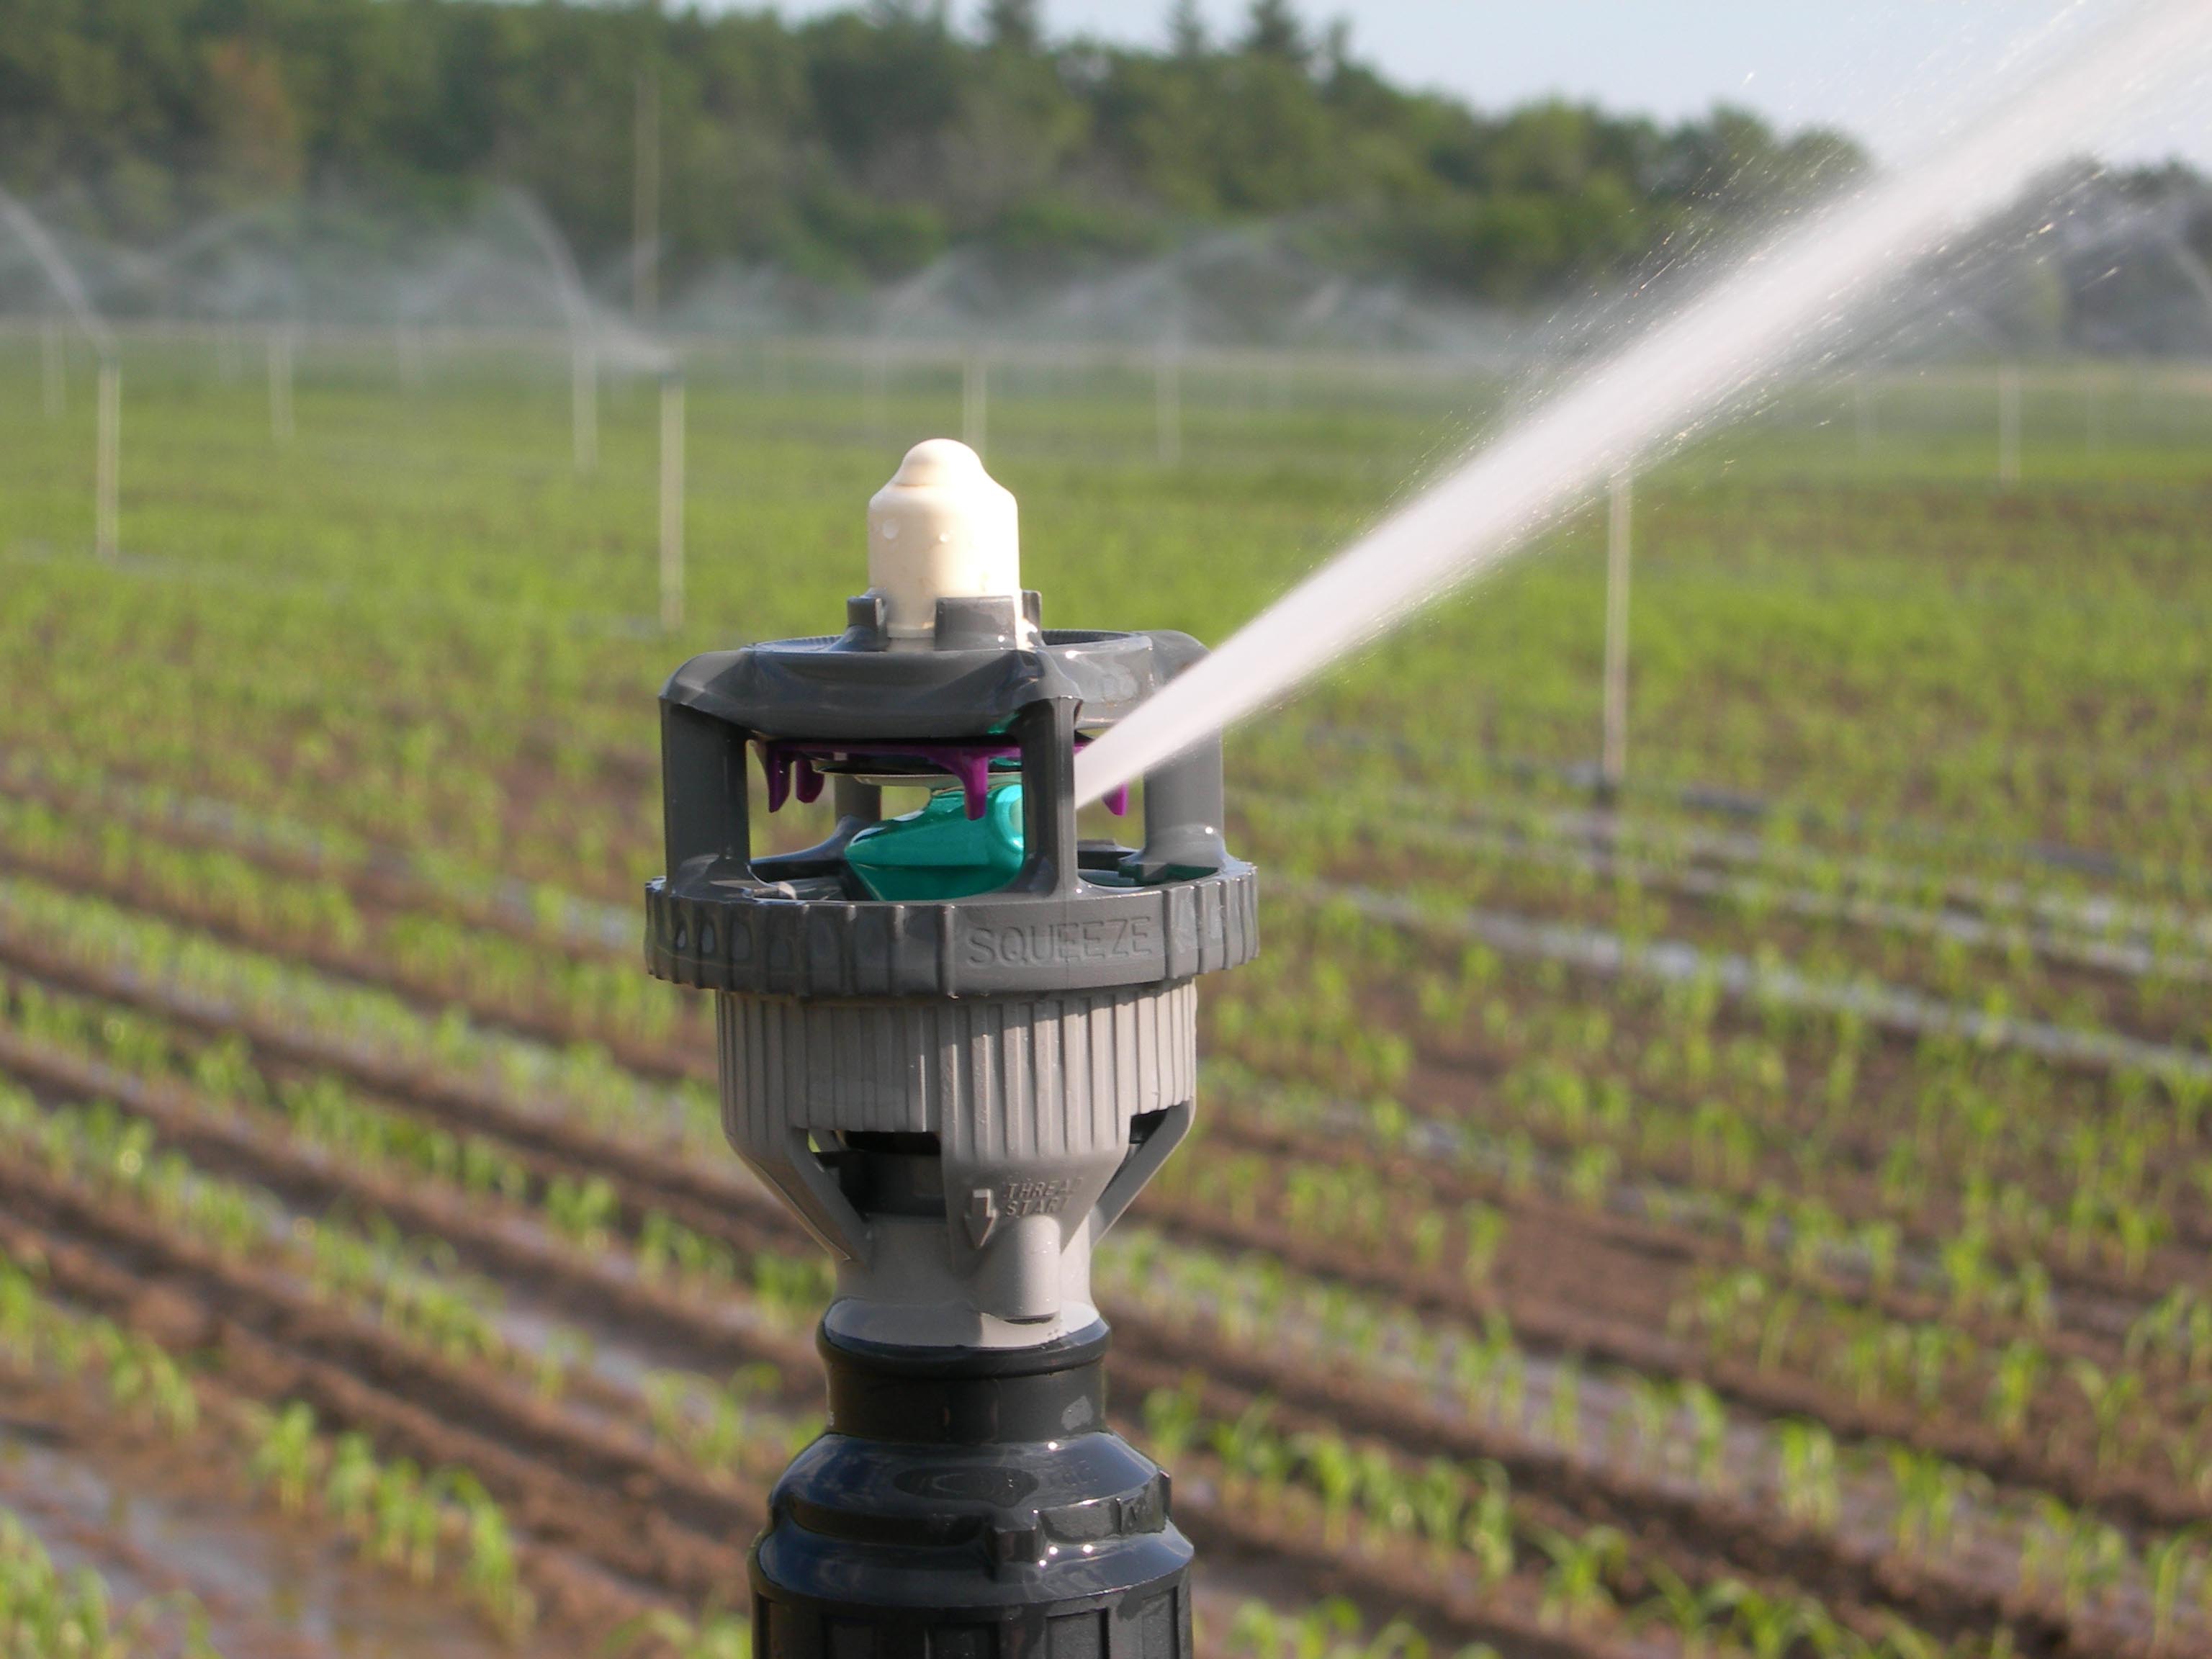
(1876, 67)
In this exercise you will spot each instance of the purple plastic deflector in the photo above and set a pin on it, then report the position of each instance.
(790, 767)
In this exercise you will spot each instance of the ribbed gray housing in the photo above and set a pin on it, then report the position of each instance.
(747, 940)
(997, 1078)
(1031, 1099)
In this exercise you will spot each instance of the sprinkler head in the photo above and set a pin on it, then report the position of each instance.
(955, 1043)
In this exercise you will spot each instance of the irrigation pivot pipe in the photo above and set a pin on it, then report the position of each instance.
(671, 501)
(976, 400)
(1613, 759)
(280, 426)
(53, 387)
(1167, 397)
(645, 198)
(875, 390)
(584, 407)
(108, 464)
(2008, 425)
(956, 1043)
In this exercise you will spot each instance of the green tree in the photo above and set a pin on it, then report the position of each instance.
(857, 144)
(1012, 24)
(1272, 29)
(1187, 36)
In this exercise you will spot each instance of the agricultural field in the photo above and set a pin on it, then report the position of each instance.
(1764, 1210)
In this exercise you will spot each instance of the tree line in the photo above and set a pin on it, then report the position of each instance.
(858, 145)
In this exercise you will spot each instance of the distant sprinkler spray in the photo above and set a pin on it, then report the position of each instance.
(957, 1044)
(1779, 310)
(59, 273)
(107, 441)
(583, 333)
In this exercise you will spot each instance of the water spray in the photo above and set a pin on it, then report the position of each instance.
(955, 1043)
(576, 315)
(107, 442)
(1779, 310)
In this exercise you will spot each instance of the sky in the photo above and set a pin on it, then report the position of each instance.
(1876, 68)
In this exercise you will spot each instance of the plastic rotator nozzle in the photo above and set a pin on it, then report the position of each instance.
(956, 1045)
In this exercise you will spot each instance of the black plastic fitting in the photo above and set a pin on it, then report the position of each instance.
(970, 1504)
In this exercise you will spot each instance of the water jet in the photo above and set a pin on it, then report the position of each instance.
(1778, 310)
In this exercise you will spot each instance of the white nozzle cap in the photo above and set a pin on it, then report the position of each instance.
(942, 528)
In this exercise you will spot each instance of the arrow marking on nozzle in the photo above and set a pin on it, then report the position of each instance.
(982, 1214)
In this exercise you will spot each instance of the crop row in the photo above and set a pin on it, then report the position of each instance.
(1339, 1179)
(1675, 1076)
(1328, 1013)
(435, 1525)
(120, 1034)
(46, 1611)
(287, 1339)
(101, 1140)
(1704, 841)
(427, 952)
(1844, 731)
(122, 1038)
(406, 1287)
(101, 1147)
(2074, 980)
(1587, 868)
(1639, 1442)
(1811, 1223)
